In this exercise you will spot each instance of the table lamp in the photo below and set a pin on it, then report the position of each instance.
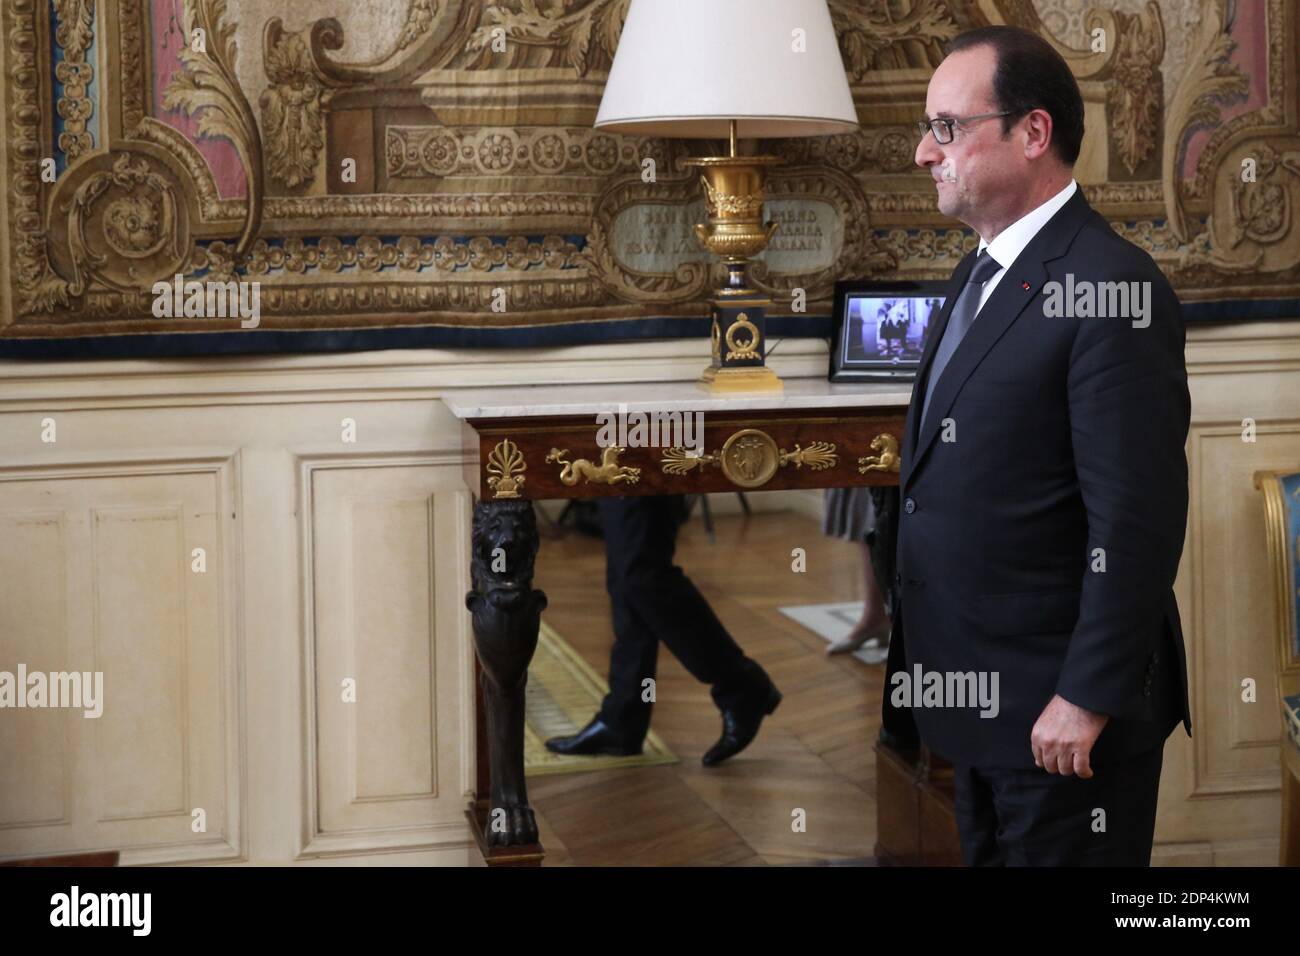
(708, 69)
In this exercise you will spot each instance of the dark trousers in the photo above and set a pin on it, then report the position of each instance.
(1018, 817)
(653, 601)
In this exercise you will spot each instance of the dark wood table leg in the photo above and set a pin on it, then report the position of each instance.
(506, 611)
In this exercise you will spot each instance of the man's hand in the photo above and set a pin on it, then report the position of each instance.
(1063, 736)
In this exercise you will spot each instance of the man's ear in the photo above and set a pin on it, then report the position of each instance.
(1037, 126)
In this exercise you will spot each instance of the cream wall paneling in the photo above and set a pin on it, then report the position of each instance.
(96, 576)
(385, 545)
(329, 558)
(1219, 797)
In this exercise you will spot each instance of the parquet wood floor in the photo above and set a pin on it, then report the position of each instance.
(814, 754)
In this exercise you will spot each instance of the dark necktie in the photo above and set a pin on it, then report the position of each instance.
(961, 319)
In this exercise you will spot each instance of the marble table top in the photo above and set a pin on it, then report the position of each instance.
(525, 401)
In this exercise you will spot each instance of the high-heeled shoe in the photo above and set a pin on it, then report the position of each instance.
(847, 645)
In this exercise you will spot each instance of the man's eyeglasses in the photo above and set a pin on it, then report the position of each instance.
(942, 127)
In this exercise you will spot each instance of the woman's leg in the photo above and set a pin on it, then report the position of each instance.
(874, 623)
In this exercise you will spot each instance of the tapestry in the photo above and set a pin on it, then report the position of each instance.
(403, 173)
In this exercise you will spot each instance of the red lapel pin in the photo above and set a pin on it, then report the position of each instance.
(1025, 285)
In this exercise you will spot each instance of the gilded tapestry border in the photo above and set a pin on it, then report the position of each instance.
(478, 175)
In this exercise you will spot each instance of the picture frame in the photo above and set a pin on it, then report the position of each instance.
(879, 328)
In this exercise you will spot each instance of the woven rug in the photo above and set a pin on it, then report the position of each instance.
(563, 694)
(831, 622)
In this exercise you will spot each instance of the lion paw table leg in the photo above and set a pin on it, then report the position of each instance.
(506, 612)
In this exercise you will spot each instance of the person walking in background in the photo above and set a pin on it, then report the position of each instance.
(653, 601)
(852, 514)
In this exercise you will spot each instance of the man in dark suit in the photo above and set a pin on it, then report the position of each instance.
(653, 601)
(1043, 486)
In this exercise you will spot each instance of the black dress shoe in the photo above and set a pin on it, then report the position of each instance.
(739, 727)
(596, 738)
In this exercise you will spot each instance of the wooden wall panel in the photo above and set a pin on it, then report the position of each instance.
(98, 578)
(34, 757)
(1238, 750)
(386, 588)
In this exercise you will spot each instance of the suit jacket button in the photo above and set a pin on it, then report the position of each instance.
(909, 505)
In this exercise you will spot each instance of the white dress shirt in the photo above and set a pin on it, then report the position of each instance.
(1011, 241)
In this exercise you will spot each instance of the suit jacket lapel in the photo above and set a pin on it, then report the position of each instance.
(936, 333)
(933, 336)
(1018, 286)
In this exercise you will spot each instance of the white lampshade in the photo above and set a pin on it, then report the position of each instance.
(686, 68)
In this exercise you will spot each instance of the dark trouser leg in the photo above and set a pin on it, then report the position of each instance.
(1043, 819)
(977, 821)
(897, 728)
(654, 593)
(632, 659)
(884, 542)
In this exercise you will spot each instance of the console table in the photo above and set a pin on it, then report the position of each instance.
(541, 442)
